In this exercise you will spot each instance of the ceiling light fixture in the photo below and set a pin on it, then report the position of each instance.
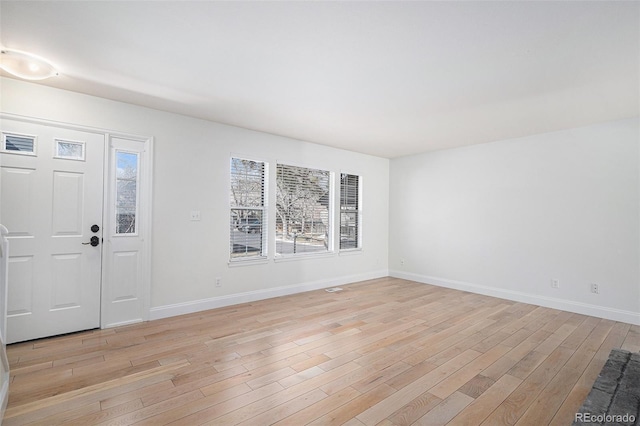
(25, 65)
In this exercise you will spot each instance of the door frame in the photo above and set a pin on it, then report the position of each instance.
(145, 213)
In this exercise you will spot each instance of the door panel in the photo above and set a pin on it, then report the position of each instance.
(50, 198)
(66, 281)
(17, 195)
(21, 279)
(125, 272)
(68, 203)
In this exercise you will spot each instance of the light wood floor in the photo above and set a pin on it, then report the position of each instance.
(386, 352)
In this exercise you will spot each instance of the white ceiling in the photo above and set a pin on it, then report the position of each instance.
(384, 78)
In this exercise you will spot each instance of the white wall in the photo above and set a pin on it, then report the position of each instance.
(505, 218)
(191, 168)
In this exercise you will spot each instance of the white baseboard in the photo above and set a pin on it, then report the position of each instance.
(629, 317)
(123, 323)
(251, 296)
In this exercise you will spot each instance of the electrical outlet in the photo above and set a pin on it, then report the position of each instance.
(555, 283)
(595, 288)
(401, 262)
(218, 282)
(195, 215)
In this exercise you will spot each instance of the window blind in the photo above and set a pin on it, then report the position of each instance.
(247, 213)
(349, 211)
(16, 143)
(303, 223)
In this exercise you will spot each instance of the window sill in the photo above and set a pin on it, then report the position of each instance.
(303, 256)
(247, 262)
(350, 252)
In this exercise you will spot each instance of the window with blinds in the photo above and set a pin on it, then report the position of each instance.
(18, 144)
(303, 198)
(248, 213)
(349, 211)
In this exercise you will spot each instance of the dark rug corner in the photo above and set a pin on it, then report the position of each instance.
(615, 396)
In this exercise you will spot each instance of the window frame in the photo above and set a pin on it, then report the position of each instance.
(264, 210)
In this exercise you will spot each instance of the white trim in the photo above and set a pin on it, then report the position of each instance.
(239, 261)
(303, 165)
(4, 397)
(123, 323)
(167, 311)
(257, 159)
(303, 256)
(4, 284)
(629, 317)
(60, 124)
(350, 252)
(146, 213)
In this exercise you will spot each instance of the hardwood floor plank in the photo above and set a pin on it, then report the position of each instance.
(486, 403)
(452, 383)
(566, 412)
(632, 341)
(146, 393)
(201, 410)
(153, 410)
(396, 401)
(324, 406)
(284, 410)
(415, 409)
(520, 400)
(476, 386)
(348, 411)
(38, 409)
(99, 416)
(442, 413)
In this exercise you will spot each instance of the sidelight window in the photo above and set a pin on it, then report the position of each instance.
(127, 177)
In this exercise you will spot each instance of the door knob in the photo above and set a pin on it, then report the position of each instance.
(95, 228)
(94, 241)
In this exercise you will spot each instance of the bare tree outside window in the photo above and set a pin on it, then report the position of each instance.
(247, 201)
(302, 208)
(70, 150)
(126, 192)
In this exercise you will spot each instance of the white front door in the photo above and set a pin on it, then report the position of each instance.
(51, 200)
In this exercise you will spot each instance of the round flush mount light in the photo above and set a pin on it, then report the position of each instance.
(25, 65)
